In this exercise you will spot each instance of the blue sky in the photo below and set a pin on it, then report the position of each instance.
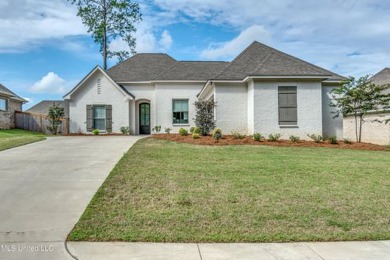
(45, 49)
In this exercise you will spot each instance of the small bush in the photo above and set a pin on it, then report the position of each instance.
(183, 132)
(195, 136)
(237, 135)
(197, 130)
(274, 137)
(347, 141)
(217, 133)
(95, 131)
(192, 129)
(257, 137)
(156, 129)
(316, 138)
(294, 138)
(333, 140)
(168, 130)
(125, 130)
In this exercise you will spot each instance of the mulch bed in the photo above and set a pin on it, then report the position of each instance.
(228, 140)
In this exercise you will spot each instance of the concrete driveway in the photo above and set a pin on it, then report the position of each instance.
(45, 187)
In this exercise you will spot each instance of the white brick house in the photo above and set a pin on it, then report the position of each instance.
(262, 90)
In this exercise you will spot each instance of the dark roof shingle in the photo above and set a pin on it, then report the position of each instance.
(7, 92)
(261, 60)
(43, 107)
(382, 77)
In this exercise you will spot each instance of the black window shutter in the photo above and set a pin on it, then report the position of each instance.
(109, 118)
(89, 117)
(288, 106)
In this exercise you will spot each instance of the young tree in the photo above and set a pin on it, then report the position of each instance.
(204, 117)
(357, 97)
(56, 113)
(107, 20)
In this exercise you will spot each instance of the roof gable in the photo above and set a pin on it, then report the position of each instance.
(382, 77)
(5, 91)
(261, 60)
(43, 106)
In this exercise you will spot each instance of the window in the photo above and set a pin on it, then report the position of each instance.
(99, 117)
(287, 105)
(3, 104)
(180, 111)
(99, 86)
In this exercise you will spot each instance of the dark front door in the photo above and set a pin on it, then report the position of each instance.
(144, 119)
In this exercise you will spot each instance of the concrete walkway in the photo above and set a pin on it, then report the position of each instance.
(375, 250)
(46, 186)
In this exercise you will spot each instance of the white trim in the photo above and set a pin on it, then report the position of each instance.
(162, 81)
(247, 78)
(97, 68)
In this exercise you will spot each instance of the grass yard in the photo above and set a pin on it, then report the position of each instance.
(163, 191)
(18, 137)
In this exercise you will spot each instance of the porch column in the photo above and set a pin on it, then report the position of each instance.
(132, 118)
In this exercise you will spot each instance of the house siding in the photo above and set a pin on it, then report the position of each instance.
(87, 95)
(309, 111)
(232, 107)
(330, 126)
(7, 118)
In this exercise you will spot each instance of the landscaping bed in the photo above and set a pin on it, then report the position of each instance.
(229, 140)
(163, 191)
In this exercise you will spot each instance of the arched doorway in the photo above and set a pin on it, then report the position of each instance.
(144, 118)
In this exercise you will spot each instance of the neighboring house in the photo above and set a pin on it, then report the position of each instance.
(9, 103)
(43, 107)
(262, 90)
(374, 130)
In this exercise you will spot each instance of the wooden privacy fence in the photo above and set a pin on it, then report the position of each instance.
(38, 123)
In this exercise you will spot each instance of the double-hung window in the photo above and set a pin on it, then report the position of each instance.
(99, 117)
(3, 104)
(180, 111)
(287, 101)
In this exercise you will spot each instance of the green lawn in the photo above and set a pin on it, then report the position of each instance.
(163, 191)
(17, 137)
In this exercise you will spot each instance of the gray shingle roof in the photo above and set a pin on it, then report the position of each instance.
(141, 67)
(261, 60)
(5, 91)
(193, 70)
(43, 107)
(382, 77)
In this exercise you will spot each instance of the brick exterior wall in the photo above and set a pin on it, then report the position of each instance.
(7, 118)
(372, 132)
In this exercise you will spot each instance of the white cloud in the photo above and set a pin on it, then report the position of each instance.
(165, 41)
(51, 83)
(30, 100)
(25, 24)
(232, 48)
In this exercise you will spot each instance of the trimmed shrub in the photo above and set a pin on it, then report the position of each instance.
(204, 117)
(95, 131)
(217, 133)
(274, 137)
(316, 138)
(333, 140)
(183, 132)
(195, 136)
(197, 130)
(168, 130)
(125, 130)
(294, 138)
(237, 135)
(347, 141)
(192, 129)
(257, 137)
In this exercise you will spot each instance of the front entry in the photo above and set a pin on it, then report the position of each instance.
(144, 119)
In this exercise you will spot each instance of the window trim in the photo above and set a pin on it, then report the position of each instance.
(94, 118)
(188, 111)
(286, 91)
(6, 104)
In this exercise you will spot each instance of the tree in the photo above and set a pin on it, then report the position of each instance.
(358, 97)
(56, 113)
(204, 117)
(107, 20)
